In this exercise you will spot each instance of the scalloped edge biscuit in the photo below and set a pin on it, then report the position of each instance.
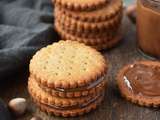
(80, 5)
(97, 43)
(128, 95)
(112, 43)
(69, 113)
(78, 81)
(38, 94)
(87, 41)
(92, 91)
(80, 26)
(89, 35)
(107, 12)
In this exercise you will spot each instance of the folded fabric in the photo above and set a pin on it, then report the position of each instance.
(4, 112)
(25, 27)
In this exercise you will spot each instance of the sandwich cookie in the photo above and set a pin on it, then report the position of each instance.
(88, 27)
(80, 5)
(98, 43)
(110, 44)
(92, 89)
(70, 112)
(55, 66)
(43, 97)
(68, 68)
(105, 13)
(87, 41)
(82, 34)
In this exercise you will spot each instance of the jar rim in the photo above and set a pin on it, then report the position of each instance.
(153, 4)
(153, 1)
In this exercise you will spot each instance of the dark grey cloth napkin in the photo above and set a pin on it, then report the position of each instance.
(4, 112)
(25, 27)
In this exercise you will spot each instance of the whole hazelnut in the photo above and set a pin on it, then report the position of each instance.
(18, 106)
(35, 118)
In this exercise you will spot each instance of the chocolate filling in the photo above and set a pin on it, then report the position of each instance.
(89, 86)
(74, 106)
(143, 79)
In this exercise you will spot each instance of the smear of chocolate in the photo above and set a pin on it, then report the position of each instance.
(144, 79)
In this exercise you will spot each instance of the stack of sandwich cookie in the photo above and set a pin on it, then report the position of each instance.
(97, 27)
(65, 80)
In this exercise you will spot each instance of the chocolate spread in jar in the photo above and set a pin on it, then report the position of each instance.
(148, 26)
(144, 80)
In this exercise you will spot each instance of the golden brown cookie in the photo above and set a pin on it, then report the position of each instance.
(43, 97)
(110, 44)
(69, 112)
(67, 64)
(84, 35)
(80, 5)
(80, 26)
(98, 43)
(87, 41)
(76, 92)
(140, 83)
(104, 13)
(94, 88)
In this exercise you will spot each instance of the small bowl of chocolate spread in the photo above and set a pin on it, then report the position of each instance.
(139, 83)
(148, 27)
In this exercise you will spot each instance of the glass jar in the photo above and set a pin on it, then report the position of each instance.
(148, 27)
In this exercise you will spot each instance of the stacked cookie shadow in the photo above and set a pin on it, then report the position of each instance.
(96, 23)
(65, 80)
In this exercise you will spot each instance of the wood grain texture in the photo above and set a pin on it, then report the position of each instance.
(114, 106)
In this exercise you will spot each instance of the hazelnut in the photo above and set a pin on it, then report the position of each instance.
(18, 106)
(35, 118)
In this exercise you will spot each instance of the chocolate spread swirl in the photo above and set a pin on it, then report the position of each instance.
(144, 79)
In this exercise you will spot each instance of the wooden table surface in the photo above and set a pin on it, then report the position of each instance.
(114, 107)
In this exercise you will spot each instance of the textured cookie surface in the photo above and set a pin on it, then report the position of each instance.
(108, 11)
(77, 25)
(106, 42)
(94, 88)
(87, 35)
(39, 95)
(87, 41)
(75, 93)
(69, 112)
(110, 44)
(126, 92)
(67, 64)
(80, 4)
